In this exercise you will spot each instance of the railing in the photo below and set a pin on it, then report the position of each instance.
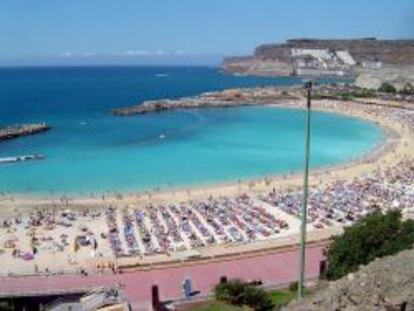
(48, 292)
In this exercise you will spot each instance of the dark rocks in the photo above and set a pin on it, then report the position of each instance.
(18, 130)
(224, 99)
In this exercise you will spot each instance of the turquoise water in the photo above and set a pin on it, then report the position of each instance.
(88, 150)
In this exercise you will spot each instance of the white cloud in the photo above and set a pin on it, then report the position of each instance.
(136, 53)
(130, 53)
(67, 54)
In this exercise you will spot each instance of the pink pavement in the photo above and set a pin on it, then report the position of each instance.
(275, 268)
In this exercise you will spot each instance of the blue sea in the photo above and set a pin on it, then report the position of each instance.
(90, 150)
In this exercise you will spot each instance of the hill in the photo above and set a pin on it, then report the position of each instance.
(308, 57)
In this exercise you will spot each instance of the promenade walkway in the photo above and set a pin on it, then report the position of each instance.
(274, 268)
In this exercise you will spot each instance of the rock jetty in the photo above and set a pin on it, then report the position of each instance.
(222, 99)
(17, 130)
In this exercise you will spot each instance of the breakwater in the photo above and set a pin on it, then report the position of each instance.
(222, 99)
(18, 130)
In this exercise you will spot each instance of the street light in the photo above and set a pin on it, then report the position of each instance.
(308, 87)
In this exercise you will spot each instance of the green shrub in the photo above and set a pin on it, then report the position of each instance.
(387, 88)
(238, 293)
(363, 93)
(375, 235)
(322, 96)
(257, 298)
(293, 287)
(281, 298)
(231, 291)
(346, 96)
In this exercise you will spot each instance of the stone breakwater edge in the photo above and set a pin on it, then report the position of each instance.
(397, 144)
(19, 130)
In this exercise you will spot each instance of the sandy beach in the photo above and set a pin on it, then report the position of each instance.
(74, 234)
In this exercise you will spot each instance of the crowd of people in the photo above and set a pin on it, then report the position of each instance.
(343, 202)
(48, 231)
(166, 228)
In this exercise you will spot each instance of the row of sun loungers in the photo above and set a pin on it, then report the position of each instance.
(166, 228)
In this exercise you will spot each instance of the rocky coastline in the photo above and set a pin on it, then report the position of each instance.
(18, 130)
(259, 96)
(221, 99)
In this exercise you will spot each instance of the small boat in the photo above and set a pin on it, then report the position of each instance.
(162, 136)
(21, 158)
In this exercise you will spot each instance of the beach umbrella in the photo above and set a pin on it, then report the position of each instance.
(28, 256)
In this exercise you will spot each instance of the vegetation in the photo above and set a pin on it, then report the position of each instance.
(364, 93)
(219, 306)
(323, 96)
(346, 96)
(239, 293)
(282, 298)
(387, 88)
(293, 287)
(350, 95)
(375, 235)
(4, 306)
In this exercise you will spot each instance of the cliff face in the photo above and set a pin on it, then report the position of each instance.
(400, 78)
(256, 66)
(324, 57)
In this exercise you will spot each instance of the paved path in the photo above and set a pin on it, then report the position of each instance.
(278, 267)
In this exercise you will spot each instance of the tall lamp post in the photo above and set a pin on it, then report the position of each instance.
(308, 87)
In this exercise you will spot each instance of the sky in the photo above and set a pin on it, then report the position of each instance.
(182, 31)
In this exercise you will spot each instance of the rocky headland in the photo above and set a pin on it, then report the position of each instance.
(221, 99)
(377, 61)
(259, 96)
(18, 130)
